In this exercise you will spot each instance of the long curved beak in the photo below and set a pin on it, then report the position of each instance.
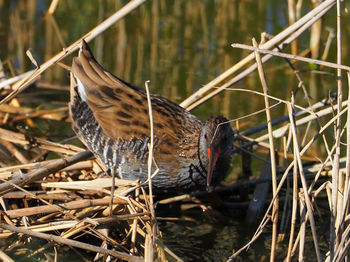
(213, 155)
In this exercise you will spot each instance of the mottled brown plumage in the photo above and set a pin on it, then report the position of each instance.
(111, 118)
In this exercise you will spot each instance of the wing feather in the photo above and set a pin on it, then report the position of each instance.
(122, 111)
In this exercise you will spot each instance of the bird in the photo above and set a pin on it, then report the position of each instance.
(110, 116)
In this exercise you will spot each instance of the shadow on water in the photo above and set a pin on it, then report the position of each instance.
(194, 235)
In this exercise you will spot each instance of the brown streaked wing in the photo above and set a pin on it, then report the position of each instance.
(122, 110)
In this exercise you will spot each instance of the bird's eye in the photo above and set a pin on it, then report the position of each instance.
(206, 136)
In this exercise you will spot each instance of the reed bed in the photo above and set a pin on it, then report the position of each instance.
(57, 191)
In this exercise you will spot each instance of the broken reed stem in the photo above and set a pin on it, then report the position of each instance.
(73, 243)
(272, 153)
(303, 181)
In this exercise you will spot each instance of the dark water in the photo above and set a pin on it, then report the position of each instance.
(179, 46)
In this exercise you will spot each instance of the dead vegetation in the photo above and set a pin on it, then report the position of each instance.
(55, 191)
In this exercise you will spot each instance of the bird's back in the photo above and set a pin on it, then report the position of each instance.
(111, 117)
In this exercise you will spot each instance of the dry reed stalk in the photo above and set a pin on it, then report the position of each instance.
(132, 206)
(304, 183)
(72, 243)
(343, 247)
(167, 250)
(58, 208)
(315, 35)
(317, 170)
(266, 218)
(292, 17)
(98, 184)
(4, 257)
(37, 174)
(14, 151)
(272, 153)
(94, 222)
(252, 240)
(76, 229)
(152, 235)
(337, 182)
(253, 67)
(46, 227)
(282, 154)
(282, 119)
(14, 79)
(52, 8)
(21, 139)
(150, 152)
(149, 248)
(53, 114)
(303, 220)
(294, 209)
(58, 34)
(302, 111)
(292, 57)
(8, 170)
(302, 225)
(279, 132)
(321, 131)
(322, 8)
(73, 205)
(38, 194)
(330, 37)
(283, 178)
(135, 225)
(24, 83)
(8, 108)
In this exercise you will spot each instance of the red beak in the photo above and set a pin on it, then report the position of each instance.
(213, 156)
